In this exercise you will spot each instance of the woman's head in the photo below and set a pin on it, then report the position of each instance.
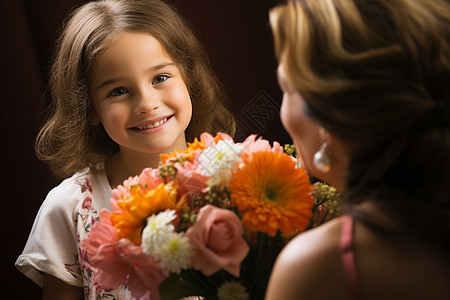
(70, 138)
(371, 74)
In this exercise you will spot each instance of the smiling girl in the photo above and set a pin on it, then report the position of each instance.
(129, 81)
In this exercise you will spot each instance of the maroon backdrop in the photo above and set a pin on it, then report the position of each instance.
(237, 38)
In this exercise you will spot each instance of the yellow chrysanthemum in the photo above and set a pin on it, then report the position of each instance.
(187, 154)
(134, 210)
(271, 194)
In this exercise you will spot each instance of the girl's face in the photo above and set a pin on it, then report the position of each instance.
(140, 96)
(304, 132)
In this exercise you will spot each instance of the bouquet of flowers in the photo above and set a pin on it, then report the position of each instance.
(210, 221)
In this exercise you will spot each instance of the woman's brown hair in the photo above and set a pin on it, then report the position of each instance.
(375, 73)
(69, 141)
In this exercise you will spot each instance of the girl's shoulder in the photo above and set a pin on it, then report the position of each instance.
(310, 266)
(71, 191)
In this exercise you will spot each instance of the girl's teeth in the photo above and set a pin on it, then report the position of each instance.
(156, 124)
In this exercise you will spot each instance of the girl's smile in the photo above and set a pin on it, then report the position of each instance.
(147, 127)
(140, 96)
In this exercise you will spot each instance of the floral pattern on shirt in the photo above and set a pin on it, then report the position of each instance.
(87, 217)
(66, 216)
(87, 214)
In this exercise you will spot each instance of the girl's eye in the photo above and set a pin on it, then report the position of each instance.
(160, 79)
(117, 92)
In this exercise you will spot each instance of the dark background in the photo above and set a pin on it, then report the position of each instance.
(237, 38)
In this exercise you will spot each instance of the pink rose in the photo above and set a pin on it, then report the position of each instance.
(217, 238)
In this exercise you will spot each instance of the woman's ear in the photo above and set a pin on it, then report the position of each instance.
(324, 136)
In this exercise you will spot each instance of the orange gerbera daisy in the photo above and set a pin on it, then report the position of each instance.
(271, 194)
(187, 154)
(135, 209)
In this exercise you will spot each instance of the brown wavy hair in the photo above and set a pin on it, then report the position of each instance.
(68, 141)
(375, 73)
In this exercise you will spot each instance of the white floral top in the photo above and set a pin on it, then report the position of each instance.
(64, 219)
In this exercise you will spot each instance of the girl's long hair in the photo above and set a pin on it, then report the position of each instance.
(69, 141)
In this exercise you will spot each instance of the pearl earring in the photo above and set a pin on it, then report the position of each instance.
(321, 160)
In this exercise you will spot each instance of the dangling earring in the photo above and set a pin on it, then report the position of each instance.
(321, 160)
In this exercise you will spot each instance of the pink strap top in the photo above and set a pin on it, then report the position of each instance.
(348, 257)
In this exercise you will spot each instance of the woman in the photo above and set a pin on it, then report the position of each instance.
(367, 104)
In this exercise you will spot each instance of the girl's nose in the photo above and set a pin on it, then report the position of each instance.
(147, 101)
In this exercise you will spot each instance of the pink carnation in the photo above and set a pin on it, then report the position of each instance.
(102, 233)
(149, 179)
(207, 139)
(217, 239)
(251, 145)
(189, 178)
(119, 261)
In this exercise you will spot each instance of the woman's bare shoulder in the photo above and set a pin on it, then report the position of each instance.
(310, 266)
(320, 238)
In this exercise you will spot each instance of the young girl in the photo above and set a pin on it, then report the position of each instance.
(367, 104)
(129, 81)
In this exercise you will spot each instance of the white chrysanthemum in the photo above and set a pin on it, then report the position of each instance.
(123, 293)
(157, 229)
(217, 161)
(174, 253)
(232, 290)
